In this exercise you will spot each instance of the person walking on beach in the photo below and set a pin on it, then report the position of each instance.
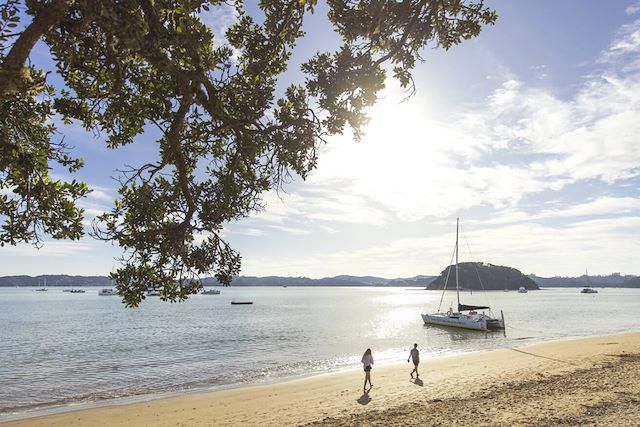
(367, 363)
(414, 354)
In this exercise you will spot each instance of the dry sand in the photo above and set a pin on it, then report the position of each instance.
(588, 382)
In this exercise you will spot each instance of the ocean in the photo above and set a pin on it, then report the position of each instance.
(59, 349)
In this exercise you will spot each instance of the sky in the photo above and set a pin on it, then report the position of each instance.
(530, 134)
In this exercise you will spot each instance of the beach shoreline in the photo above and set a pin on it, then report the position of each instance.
(337, 398)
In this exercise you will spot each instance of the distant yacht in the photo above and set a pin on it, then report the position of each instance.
(77, 291)
(522, 290)
(107, 292)
(467, 316)
(211, 292)
(43, 289)
(588, 289)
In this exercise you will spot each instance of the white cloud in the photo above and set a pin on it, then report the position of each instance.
(51, 249)
(102, 194)
(413, 164)
(601, 206)
(291, 230)
(633, 8)
(328, 230)
(320, 203)
(219, 19)
(240, 230)
(602, 245)
(627, 41)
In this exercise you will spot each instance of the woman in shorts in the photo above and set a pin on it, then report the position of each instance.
(367, 363)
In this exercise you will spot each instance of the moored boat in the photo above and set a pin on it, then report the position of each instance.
(107, 292)
(467, 316)
(44, 288)
(588, 289)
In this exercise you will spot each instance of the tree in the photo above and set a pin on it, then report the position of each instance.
(226, 137)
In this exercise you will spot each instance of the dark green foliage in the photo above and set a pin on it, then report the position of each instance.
(226, 138)
(479, 276)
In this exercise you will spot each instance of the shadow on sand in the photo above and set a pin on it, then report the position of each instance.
(364, 399)
(418, 381)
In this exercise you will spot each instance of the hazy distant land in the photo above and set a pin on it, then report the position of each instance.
(493, 278)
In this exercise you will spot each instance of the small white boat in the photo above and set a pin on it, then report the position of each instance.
(467, 316)
(107, 292)
(211, 292)
(522, 290)
(588, 289)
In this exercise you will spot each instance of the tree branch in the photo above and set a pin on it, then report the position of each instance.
(12, 65)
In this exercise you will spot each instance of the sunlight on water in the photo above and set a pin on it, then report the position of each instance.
(59, 348)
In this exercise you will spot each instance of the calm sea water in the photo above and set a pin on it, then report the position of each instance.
(59, 349)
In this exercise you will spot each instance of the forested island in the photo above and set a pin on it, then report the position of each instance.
(482, 276)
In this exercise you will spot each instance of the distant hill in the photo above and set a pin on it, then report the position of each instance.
(343, 280)
(493, 277)
(55, 280)
(615, 280)
(479, 276)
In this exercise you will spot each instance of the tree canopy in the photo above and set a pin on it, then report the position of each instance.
(227, 135)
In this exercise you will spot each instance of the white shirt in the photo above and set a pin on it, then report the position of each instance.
(367, 360)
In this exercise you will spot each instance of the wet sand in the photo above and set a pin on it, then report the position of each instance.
(589, 381)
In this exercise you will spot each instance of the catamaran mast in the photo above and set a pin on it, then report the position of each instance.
(586, 272)
(457, 285)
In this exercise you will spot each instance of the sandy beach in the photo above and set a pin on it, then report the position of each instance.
(588, 381)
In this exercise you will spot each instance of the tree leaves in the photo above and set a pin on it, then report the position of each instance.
(225, 135)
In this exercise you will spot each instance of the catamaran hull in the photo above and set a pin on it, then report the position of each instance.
(456, 322)
(463, 321)
(495, 325)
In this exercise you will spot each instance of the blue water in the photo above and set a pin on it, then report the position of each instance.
(59, 348)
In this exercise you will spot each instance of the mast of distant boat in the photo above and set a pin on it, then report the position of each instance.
(457, 285)
(586, 272)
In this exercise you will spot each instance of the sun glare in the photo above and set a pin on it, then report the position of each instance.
(405, 161)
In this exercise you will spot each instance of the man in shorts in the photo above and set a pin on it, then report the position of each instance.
(414, 355)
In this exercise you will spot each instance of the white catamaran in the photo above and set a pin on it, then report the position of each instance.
(588, 289)
(467, 316)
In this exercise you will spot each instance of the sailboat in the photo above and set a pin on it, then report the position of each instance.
(588, 289)
(467, 316)
(44, 289)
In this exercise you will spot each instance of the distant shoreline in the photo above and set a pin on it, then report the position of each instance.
(60, 280)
